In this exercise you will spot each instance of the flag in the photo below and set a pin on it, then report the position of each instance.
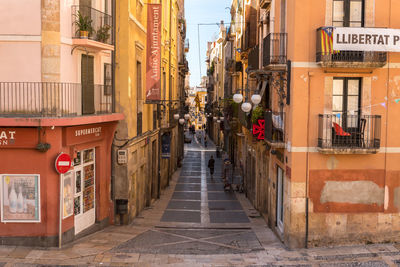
(327, 41)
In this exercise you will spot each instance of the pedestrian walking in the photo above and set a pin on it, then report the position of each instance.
(211, 163)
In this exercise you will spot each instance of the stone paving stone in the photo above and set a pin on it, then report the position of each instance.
(188, 187)
(181, 216)
(228, 217)
(356, 264)
(221, 196)
(189, 180)
(184, 205)
(187, 195)
(2, 264)
(215, 187)
(203, 233)
(224, 205)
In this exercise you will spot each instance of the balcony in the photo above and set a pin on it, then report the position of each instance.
(348, 59)
(275, 51)
(53, 100)
(349, 134)
(275, 129)
(92, 28)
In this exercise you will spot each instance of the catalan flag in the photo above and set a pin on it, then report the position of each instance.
(327, 41)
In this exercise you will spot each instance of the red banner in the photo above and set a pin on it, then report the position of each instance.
(153, 70)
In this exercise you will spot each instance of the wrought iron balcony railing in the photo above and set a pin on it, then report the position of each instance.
(342, 131)
(47, 99)
(275, 127)
(275, 49)
(98, 25)
(347, 59)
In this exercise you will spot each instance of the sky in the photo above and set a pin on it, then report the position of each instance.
(203, 11)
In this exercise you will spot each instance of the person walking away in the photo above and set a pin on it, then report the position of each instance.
(211, 163)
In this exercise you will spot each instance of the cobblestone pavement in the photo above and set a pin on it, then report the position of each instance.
(196, 223)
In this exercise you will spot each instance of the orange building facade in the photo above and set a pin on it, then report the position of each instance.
(327, 170)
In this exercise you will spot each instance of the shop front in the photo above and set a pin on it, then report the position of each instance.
(39, 205)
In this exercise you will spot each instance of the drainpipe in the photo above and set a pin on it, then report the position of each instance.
(113, 101)
(170, 76)
(310, 74)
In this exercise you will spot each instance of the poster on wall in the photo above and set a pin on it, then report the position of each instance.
(68, 194)
(20, 201)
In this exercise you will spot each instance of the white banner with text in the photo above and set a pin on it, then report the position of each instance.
(366, 39)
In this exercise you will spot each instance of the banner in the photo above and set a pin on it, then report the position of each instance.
(366, 39)
(153, 68)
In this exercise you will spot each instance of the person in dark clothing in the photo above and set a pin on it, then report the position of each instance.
(211, 163)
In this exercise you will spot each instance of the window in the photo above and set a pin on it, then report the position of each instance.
(346, 100)
(348, 13)
(139, 88)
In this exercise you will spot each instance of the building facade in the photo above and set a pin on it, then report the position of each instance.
(146, 169)
(324, 169)
(57, 96)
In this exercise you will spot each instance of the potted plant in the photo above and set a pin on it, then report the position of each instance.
(257, 114)
(103, 33)
(84, 24)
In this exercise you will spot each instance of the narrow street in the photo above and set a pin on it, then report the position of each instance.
(196, 223)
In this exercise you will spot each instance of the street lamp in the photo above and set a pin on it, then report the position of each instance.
(187, 116)
(176, 116)
(181, 121)
(246, 107)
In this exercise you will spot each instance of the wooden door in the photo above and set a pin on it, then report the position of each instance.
(87, 80)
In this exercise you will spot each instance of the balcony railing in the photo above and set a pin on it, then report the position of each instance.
(338, 132)
(98, 24)
(45, 99)
(275, 49)
(275, 127)
(346, 59)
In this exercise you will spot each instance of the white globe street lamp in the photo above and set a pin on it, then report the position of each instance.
(181, 121)
(215, 118)
(246, 107)
(237, 98)
(256, 99)
(218, 121)
(187, 116)
(176, 116)
(222, 118)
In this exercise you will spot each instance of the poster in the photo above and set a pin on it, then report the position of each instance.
(20, 201)
(68, 194)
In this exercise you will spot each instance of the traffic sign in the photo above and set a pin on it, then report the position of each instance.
(63, 163)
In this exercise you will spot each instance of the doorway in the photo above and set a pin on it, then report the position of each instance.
(85, 186)
(87, 81)
(279, 200)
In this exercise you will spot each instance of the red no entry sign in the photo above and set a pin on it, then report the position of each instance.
(63, 163)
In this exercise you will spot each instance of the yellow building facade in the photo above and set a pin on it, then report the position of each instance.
(139, 171)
